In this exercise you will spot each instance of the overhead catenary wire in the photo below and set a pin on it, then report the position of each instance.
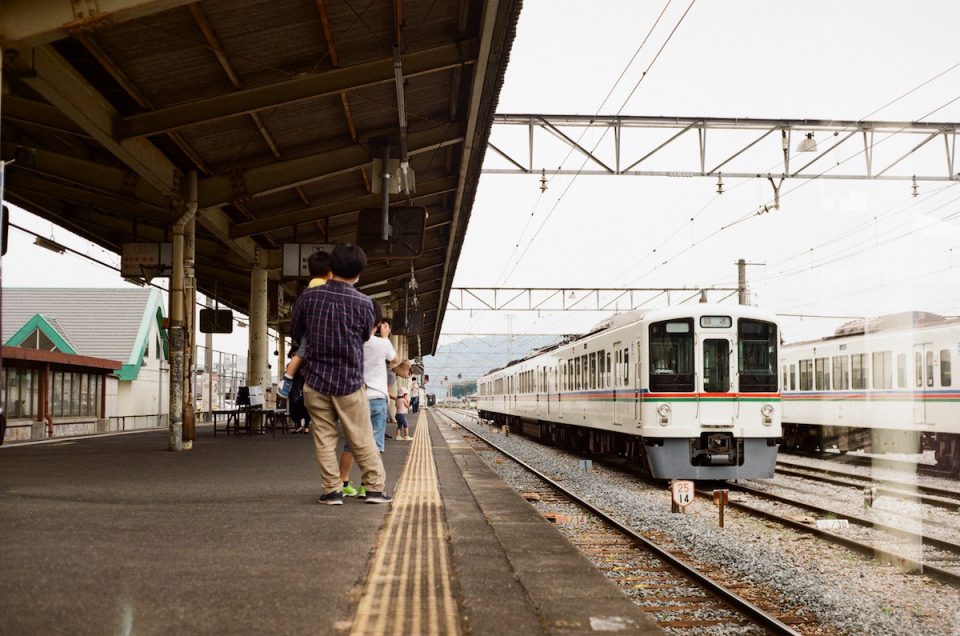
(602, 136)
(806, 181)
(543, 190)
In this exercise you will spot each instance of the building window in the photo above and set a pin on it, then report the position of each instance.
(75, 394)
(20, 393)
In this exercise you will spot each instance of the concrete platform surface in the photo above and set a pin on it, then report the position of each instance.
(116, 535)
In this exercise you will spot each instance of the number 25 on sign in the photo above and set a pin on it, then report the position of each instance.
(682, 491)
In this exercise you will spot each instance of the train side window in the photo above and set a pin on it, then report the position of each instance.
(626, 367)
(929, 368)
(841, 373)
(858, 371)
(882, 371)
(945, 373)
(785, 384)
(793, 377)
(609, 369)
(901, 370)
(806, 375)
(822, 375)
(671, 356)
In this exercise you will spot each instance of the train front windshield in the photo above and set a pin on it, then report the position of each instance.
(757, 359)
(671, 356)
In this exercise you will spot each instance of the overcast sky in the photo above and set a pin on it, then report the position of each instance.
(835, 248)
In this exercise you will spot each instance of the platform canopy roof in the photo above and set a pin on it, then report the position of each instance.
(279, 106)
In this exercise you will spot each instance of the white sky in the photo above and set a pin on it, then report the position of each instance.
(761, 58)
(770, 59)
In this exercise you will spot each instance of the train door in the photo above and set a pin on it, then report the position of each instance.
(620, 404)
(716, 381)
(561, 384)
(638, 396)
(922, 380)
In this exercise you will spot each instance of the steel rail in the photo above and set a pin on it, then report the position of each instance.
(857, 481)
(946, 576)
(766, 620)
(927, 490)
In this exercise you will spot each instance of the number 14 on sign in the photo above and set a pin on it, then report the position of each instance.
(682, 491)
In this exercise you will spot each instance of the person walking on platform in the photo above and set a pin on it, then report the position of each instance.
(337, 319)
(414, 396)
(403, 402)
(295, 405)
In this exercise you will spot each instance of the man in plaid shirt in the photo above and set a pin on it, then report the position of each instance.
(337, 319)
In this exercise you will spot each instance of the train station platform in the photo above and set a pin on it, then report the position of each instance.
(117, 535)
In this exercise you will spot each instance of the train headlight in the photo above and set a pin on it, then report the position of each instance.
(767, 412)
(664, 412)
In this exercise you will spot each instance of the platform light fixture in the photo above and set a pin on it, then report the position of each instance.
(49, 244)
(807, 144)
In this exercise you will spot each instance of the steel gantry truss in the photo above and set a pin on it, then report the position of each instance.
(677, 147)
(568, 299)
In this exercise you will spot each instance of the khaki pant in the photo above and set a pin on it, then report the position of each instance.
(353, 412)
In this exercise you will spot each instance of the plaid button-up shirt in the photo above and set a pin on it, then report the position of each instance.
(337, 320)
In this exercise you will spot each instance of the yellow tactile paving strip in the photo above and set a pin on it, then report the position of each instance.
(408, 590)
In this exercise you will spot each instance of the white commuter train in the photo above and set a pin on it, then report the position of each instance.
(884, 384)
(690, 392)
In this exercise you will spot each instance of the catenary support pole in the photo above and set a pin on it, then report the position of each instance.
(258, 341)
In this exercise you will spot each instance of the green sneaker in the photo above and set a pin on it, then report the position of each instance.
(362, 493)
(350, 491)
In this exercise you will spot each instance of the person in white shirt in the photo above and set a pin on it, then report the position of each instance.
(377, 353)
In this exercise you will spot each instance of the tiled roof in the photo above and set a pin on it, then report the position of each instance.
(102, 323)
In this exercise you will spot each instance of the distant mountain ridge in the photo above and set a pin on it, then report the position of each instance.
(472, 357)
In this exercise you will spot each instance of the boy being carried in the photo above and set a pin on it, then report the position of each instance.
(319, 266)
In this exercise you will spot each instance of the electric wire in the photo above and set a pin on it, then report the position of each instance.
(596, 145)
(543, 190)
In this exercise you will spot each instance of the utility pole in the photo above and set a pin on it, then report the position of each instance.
(743, 294)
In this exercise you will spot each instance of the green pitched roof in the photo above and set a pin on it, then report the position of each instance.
(47, 328)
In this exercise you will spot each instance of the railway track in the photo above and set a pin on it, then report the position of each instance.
(934, 551)
(939, 497)
(679, 594)
(876, 461)
(937, 559)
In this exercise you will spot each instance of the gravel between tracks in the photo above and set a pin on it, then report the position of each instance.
(850, 593)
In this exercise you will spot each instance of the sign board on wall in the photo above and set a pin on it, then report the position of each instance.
(295, 257)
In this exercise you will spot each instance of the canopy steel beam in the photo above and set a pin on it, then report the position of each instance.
(284, 175)
(58, 82)
(306, 215)
(35, 22)
(555, 299)
(326, 83)
(520, 160)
